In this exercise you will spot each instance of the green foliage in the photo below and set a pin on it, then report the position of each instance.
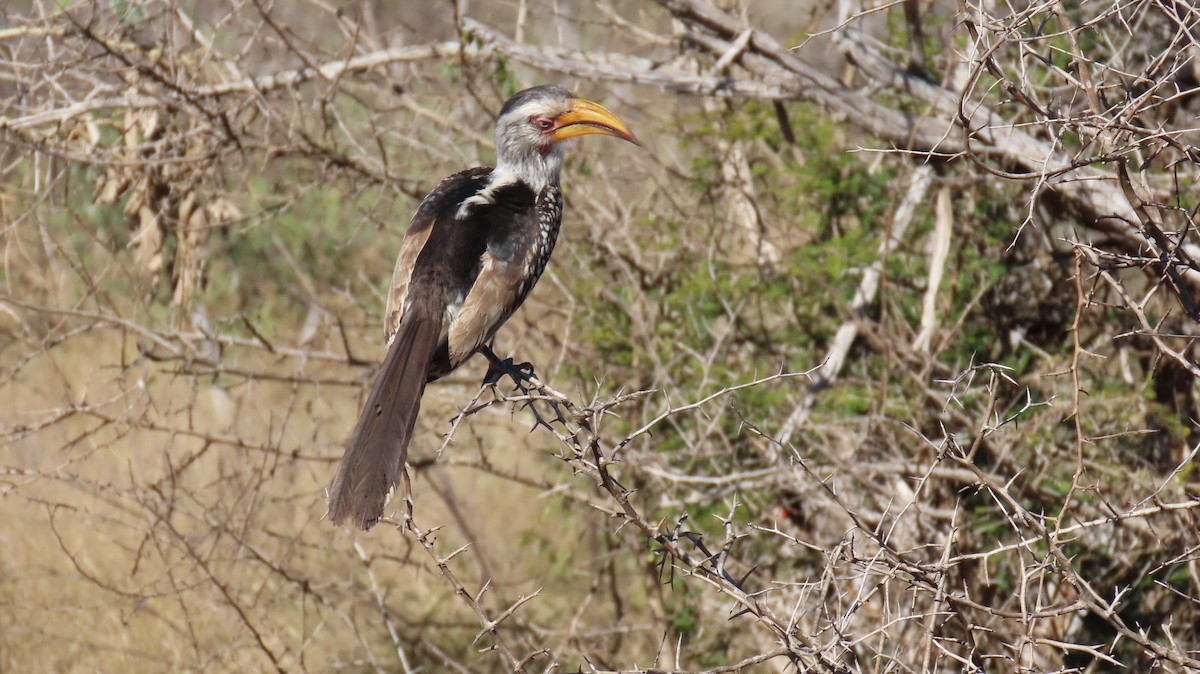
(504, 77)
(832, 199)
(127, 12)
(718, 317)
(316, 240)
(685, 619)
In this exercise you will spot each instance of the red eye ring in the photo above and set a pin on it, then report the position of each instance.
(543, 123)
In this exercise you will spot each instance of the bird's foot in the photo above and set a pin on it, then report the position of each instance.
(524, 380)
(497, 368)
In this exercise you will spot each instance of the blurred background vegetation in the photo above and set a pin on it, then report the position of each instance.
(877, 358)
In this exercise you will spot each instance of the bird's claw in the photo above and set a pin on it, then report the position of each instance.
(521, 374)
(518, 372)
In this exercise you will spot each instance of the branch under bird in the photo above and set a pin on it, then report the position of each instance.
(474, 249)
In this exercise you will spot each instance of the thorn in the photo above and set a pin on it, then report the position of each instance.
(740, 613)
(742, 582)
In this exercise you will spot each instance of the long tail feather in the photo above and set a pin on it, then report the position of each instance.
(375, 455)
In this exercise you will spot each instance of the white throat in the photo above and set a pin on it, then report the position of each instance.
(527, 165)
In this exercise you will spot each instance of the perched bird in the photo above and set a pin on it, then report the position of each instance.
(473, 251)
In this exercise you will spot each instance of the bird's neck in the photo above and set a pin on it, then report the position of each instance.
(536, 170)
(529, 166)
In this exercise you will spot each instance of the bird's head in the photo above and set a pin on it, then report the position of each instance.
(533, 124)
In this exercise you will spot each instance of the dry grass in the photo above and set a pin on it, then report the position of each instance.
(130, 549)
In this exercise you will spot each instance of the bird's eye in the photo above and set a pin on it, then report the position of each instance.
(543, 123)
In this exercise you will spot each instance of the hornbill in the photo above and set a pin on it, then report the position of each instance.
(474, 249)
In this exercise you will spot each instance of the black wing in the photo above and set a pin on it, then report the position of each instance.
(441, 203)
